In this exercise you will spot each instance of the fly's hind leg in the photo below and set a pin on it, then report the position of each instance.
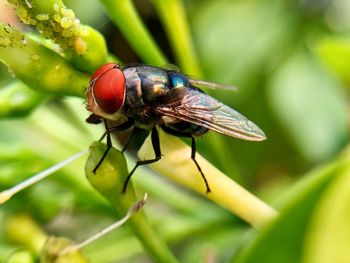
(193, 157)
(193, 150)
(157, 153)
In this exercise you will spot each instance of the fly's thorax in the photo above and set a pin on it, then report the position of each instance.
(145, 84)
(177, 80)
(133, 87)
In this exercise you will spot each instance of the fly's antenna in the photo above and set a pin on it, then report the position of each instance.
(7, 194)
(132, 210)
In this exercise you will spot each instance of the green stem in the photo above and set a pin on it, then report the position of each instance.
(126, 18)
(18, 100)
(83, 46)
(173, 196)
(109, 180)
(224, 191)
(37, 66)
(173, 17)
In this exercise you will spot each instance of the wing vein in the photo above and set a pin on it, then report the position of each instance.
(200, 109)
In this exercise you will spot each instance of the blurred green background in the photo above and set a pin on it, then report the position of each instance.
(291, 63)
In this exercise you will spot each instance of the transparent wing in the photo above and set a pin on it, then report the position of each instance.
(200, 109)
(211, 85)
(171, 67)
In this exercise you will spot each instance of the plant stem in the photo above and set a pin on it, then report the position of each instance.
(126, 18)
(38, 66)
(224, 191)
(18, 100)
(173, 17)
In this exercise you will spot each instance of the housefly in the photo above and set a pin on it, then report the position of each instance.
(146, 97)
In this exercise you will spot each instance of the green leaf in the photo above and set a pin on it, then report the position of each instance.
(328, 239)
(285, 237)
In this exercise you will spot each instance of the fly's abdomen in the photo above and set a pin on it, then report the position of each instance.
(183, 128)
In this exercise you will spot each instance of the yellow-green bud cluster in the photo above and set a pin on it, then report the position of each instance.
(58, 23)
(11, 37)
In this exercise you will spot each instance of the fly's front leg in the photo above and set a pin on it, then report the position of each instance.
(109, 146)
(107, 133)
(157, 153)
(193, 157)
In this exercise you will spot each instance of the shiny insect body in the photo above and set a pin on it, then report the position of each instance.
(146, 97)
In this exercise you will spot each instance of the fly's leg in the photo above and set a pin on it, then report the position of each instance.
(107, 133)
(127, 142)
(103, 136)
(157, 153)
(109, 146)
(193, 150)
(193, 157)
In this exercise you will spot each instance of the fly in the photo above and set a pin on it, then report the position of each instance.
(147, 97)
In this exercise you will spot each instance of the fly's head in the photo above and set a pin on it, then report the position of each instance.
(106, 93)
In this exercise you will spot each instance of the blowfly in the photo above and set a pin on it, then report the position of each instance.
(146, 97)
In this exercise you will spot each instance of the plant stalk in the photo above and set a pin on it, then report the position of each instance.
(176, 164)
(126, 18)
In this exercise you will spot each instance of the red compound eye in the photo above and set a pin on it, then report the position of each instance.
(108, 88)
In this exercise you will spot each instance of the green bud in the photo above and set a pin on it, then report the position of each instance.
(18, 228)
(54, 246)
(109, 181)
(22, 256)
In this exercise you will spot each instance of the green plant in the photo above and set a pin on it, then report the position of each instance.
(290, 78)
